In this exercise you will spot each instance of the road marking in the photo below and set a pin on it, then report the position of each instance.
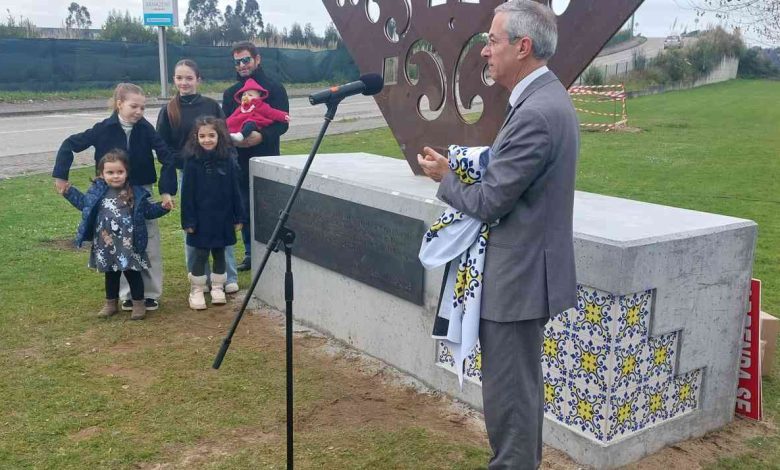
(39, 130)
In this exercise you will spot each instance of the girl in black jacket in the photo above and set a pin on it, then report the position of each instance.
(127, 130)
(174, 123)
(211, 206)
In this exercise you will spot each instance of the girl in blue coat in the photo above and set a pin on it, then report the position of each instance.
(127, 130)
(113, 217)
(211, 206)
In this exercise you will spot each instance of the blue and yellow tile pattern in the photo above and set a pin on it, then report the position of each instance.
(605, 377)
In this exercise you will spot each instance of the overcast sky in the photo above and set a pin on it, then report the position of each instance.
(655, 18)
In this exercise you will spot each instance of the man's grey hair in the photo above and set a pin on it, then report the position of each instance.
(532, 19)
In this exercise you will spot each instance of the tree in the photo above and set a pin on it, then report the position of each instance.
(759, 16)
(203, 22)
(78, 17)
(296, 35)
(119, 27)
(332, 37)
(202, 15)
(270, 35)
(253, 18)
(233, 25)
(310, 36)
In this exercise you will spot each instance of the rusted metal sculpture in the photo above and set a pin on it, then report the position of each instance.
(431, 49)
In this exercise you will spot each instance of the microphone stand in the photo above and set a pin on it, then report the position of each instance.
(282, 236)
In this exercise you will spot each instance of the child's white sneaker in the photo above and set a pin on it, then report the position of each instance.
(237, 136)
(197, 284)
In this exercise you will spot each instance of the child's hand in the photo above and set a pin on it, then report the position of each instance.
(287, 117)
(238, 227)
(189, 230)
(167, 201)
(61, 186)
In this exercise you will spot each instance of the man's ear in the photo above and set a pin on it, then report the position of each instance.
(523, 47)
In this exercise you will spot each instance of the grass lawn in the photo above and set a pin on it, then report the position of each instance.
(82, 393)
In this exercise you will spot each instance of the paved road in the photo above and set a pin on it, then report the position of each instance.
(28, 143)
(651, 48)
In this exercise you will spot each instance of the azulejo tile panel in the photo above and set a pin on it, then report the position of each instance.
(605, 377)
(629, 367)
(588, 412)
(557, 396)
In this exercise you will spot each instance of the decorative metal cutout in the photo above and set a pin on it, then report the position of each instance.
(429, 51)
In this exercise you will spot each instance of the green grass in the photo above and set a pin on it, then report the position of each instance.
(150, 88)
(81, 393)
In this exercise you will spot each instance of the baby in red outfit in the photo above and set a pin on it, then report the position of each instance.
(253, 113)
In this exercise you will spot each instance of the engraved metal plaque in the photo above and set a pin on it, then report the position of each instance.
(370, 245)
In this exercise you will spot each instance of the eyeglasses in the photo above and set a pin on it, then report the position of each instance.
(243, 60)
(493, 42)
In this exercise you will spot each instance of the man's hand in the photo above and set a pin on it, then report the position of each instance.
(255, 138)
(434, 164)
(167, 201)
(61, 186)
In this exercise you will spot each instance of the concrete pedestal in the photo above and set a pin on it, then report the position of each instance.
(649, 356)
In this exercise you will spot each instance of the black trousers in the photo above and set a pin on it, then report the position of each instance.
(248, 128)
(202, 260)
(134, 279)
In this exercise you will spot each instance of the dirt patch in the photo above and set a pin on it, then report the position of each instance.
(730, 441)
(86, 433)
(63, 244)
(207, 449)
(134, 378)
(28, 353)
(378, 396)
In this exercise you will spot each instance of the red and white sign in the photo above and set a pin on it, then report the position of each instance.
(749, 388)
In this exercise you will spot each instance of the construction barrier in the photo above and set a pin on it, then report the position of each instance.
(601, 107)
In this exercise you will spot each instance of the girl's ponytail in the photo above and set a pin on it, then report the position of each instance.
(174, 110)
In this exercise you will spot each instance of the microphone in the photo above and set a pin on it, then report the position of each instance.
(369, 84)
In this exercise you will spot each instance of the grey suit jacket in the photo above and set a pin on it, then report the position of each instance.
(528, 185)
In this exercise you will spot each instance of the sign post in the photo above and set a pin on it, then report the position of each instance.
(162, 13)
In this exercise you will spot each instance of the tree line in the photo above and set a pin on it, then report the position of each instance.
(204, 24)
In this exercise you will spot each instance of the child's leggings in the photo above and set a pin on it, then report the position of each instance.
(202, 260)
(134, 279)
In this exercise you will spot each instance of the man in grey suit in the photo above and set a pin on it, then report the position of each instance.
(529, 187)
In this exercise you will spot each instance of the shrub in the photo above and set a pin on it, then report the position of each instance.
(593, 76)
(755, 64)
(21, 28)
(673, 66)
(712, 46)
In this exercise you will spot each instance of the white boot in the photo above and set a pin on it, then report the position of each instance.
(197, 284)
(218, 289)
